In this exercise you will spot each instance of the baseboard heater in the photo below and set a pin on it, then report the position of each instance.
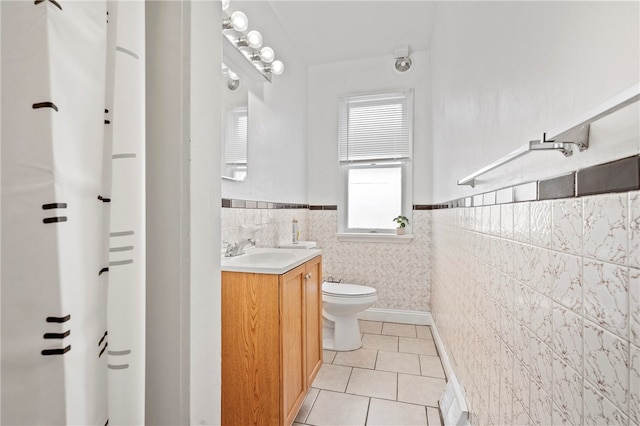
(453, 407)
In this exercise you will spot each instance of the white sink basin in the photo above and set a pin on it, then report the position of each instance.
(261, 258)
(268, 260)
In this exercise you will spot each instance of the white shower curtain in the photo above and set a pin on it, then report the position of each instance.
(63, 135)
(126, 299)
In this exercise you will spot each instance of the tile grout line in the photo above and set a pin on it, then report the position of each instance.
(348, 380)
(397, 387)
(311, 408)
(366, 418)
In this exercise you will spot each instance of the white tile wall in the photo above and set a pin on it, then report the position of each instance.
(399, 272)
(274, 225)
(538, 304)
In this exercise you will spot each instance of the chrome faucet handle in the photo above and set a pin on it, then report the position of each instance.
(228, 248)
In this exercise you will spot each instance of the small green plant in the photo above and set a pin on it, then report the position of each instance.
(402, 221)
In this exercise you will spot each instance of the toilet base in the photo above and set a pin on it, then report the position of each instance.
(341, 333)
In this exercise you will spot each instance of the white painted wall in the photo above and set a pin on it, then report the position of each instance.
(328, 82)
(277, 147)
(183, 214)
(205, 219)
(167, 204)
(504, 72)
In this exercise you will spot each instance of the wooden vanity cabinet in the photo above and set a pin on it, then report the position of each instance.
(271, 343)
(313, 301)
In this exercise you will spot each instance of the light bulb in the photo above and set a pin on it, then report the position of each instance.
(254, 39)
(239, 21)
(225, 4)
(267, 55)
(277, 67)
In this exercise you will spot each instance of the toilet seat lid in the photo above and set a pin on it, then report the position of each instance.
(347, 290)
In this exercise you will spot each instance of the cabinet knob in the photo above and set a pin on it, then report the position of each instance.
(308, 276)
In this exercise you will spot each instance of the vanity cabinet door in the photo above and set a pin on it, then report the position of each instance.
(271, 343)
(250, 350)
(292, 326)
(313, 311)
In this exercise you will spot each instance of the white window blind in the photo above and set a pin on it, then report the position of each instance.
(375, 127)
(236, 129)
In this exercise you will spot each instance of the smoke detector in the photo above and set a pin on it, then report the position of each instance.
(403, 62)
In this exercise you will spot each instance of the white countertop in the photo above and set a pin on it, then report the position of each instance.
(268, 260)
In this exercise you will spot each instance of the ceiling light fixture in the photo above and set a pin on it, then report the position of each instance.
(403, 62)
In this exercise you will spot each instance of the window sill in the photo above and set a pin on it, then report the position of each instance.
(375, 238)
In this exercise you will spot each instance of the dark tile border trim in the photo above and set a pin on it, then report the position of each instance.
(325, 207)
(615, 176)
(251, 204)
(558, 187)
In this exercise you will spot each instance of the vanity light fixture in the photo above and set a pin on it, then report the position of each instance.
(234, 27)
(233, 81)
(266, 55)
(277, 67)
(232, 75)
(238, 21)
(253, 39)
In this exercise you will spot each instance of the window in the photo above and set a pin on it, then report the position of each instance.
(375, 147)
(235, 146)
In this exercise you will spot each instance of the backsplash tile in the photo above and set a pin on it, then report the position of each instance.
(541, 317)
(399, 272)
(273, 225)
(494, 212)
(634, 306)
(558, 275)
(606, 296)
(634, 229)
(541, 224)
(600, 411)
(541, 406)
(567, 287)
(606, 364)
(542, 365)
(567, 392)
(507, 221)
(634, 381)
(567, 226)
(521, 222)
(542, 272)
(567, 336)
(605, 228)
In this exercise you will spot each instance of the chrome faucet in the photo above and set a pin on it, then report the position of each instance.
(238, 248)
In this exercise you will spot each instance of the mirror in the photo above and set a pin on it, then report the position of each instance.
(235, 124)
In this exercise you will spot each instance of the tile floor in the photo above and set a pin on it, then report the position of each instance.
(396, 378)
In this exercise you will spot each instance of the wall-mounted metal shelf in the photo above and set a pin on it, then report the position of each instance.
(575, 132)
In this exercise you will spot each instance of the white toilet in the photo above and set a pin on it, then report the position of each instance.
(340, 304)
